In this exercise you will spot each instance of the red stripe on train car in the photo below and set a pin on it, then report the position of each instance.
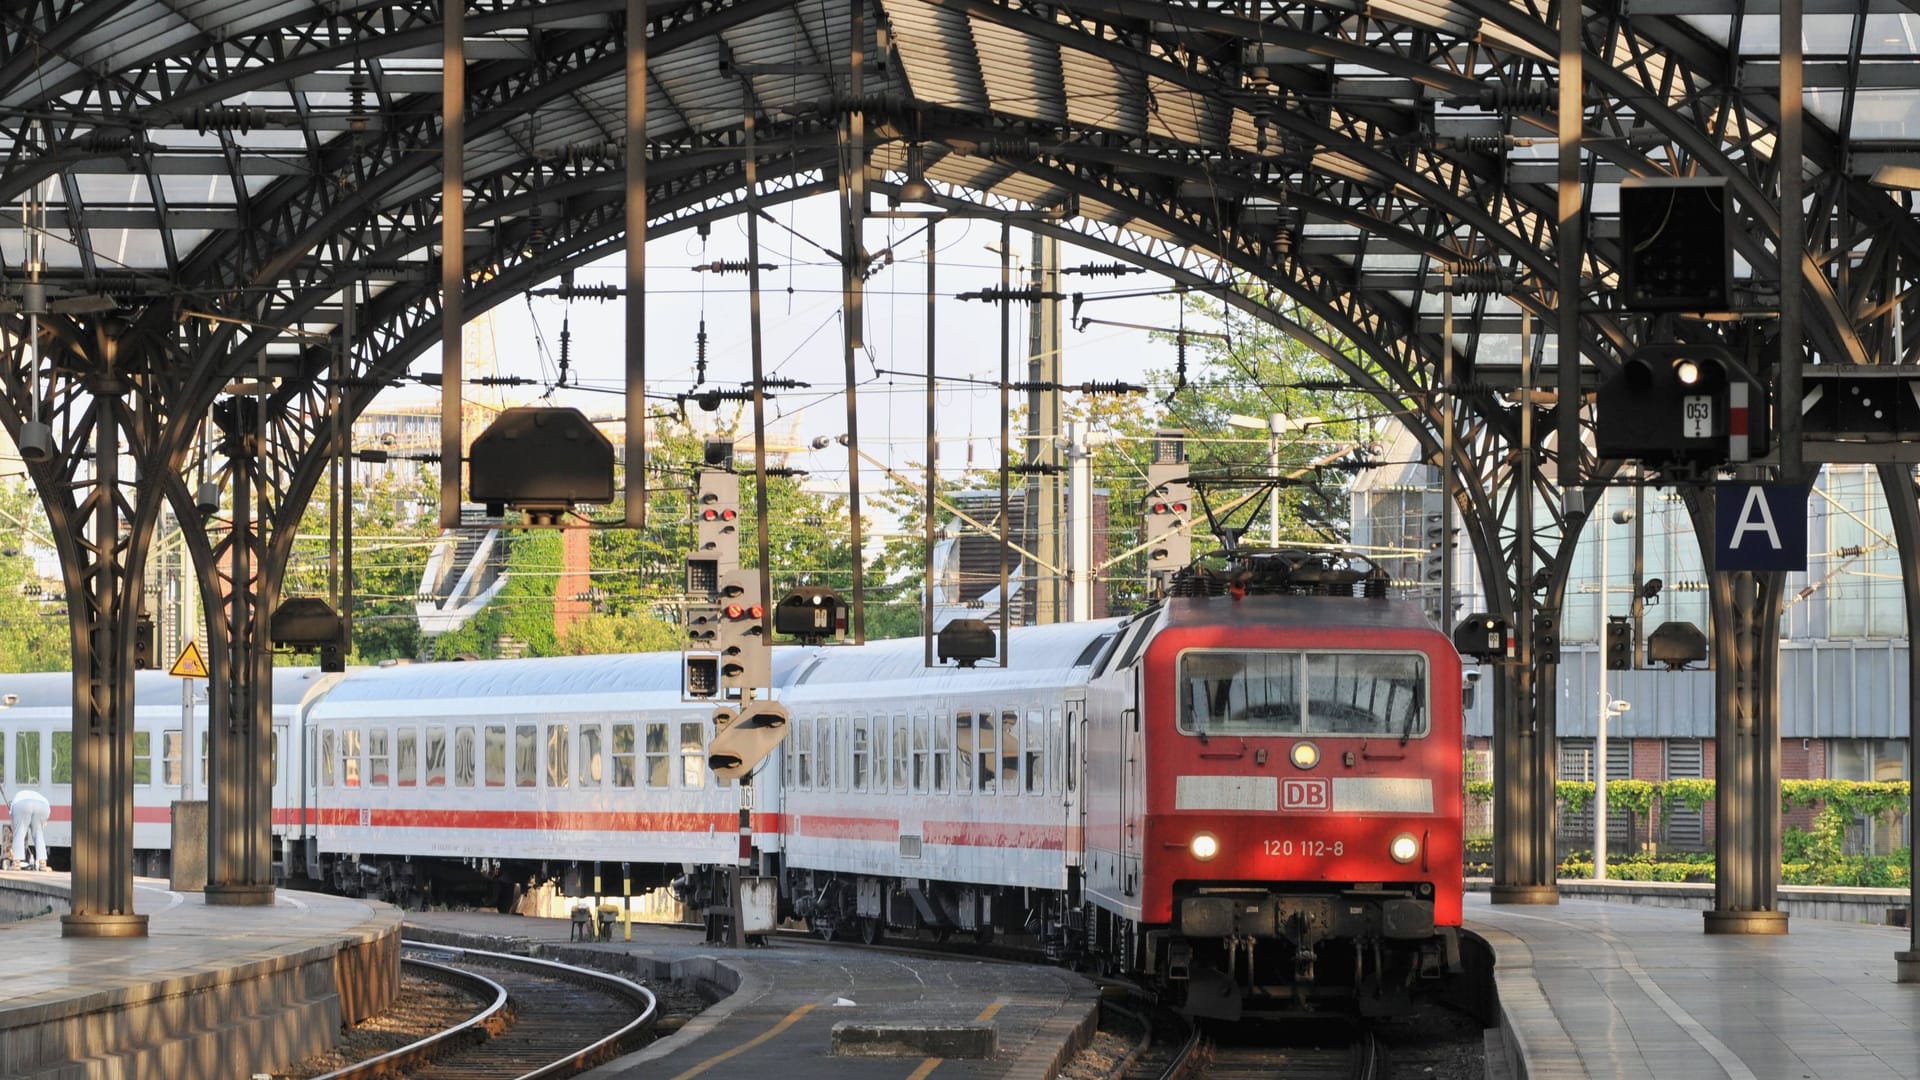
(995, 834)
(832, 827)
(546, 820)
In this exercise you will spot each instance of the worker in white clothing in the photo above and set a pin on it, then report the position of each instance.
(29, 810)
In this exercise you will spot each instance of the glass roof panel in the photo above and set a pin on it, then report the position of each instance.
(130, 247)
(112, 189)
(190, 190)
(1877, 113)
(1891, 35)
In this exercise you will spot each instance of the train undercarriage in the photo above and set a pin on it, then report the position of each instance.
(1367, 949)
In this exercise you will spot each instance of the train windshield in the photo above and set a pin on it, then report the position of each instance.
(1280, 692)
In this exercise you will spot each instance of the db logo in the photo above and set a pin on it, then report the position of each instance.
(1306, 794)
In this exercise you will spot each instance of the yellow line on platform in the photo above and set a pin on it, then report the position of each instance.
(770, 1033)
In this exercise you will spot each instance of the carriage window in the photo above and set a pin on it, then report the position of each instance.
(142, 761)
(526, 755)
(590, 763)
(824, 767)
(942, 754)
(1009, 753)
(659, 767)
(559, 744)
(63, 757)
(496, 755)
(1036, 756)
(920, 753)
(1303, 693)
(624, 775)
(436, 759)
(860, 753)
(26, 757)
(350, 757)
(379, 757)
(899, 753)
(273, 755)
(170, 759)
(693, 755)
(803, 754)
(964, 768)
(466, 758)
(406, 754)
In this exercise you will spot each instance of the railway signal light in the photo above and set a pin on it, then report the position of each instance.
(1169, 506)
(143, 658)
(1619, 643)
(1677, 238)
(1546, 638)
(716, 520)
(812, 614)
(742, 739)
(1681, 403)
(745, 660)
(702, 676)
(1481, 636)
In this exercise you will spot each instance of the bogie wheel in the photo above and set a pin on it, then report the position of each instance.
(872, 931)
(983, 935)
(825, 929)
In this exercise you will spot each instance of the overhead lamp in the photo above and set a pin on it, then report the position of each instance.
(915, 189)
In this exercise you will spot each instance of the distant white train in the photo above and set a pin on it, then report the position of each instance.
(36, 751)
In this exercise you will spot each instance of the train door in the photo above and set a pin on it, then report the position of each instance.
(1132, 797)
(1071, 756)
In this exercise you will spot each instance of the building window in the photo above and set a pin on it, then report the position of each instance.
(1881, 760)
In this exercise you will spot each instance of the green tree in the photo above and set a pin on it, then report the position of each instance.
(34, 634)
(394, 532)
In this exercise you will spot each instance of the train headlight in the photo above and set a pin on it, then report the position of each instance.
(1204, 846)
(1404, 848)
(1305, 755)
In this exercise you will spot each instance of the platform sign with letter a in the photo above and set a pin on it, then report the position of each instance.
(1760, 527)
(190, 665)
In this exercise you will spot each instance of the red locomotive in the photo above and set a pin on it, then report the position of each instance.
(1273, 797)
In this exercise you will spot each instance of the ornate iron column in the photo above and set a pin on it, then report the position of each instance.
(240, 728)
(1746, 748)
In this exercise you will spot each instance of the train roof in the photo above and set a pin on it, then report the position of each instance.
(1331, 612)
(151, 689)
(546, 677)
(1032, 652)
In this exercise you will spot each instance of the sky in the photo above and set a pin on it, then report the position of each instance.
(802, 335)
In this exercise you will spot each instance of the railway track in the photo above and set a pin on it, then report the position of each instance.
(1194, 1054)
(539, 1020)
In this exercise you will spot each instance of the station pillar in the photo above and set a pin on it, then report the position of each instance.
(1746, 753)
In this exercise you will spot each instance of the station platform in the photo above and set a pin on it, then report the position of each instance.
(208, 992)
(784, 1001)
(1594, 988)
